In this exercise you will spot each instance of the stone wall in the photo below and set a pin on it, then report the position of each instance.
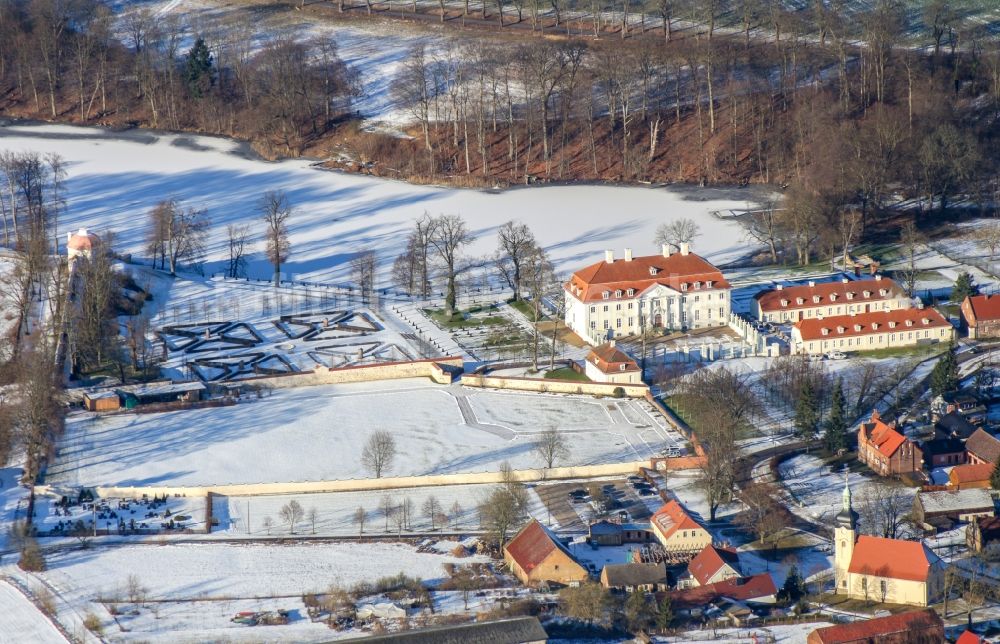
(387, 483)
(552, 385)
(437, 369)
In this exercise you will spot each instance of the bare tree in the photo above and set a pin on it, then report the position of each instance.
(268, 524)
(237, 236)
(762, 227)
(432, 509)
(539, 279)
(134, 590)
(910, 239)
(762, 514)
(514, 242)
(988, 234)
(455, 513)
(677, 232)
(450, 236)
(503, 511)
(551, 446)
(379, 452)
(360, 517)
(883, 510)
(275, 211)
(363, 274)
(312, 516)
(387, 507)
(291, 513)
(176, 234)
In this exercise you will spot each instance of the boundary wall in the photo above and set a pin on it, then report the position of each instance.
(553, 386)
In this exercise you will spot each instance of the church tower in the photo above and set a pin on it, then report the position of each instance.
(844, 537)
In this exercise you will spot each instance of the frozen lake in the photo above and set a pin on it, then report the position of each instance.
(114, 179)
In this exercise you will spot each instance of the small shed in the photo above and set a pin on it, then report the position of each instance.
(164, 393)
(940, 507)
(101, 401)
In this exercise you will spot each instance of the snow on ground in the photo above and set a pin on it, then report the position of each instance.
(114, 179)
(318, 433)
(13, 500)
(22, 622)
(784, 633)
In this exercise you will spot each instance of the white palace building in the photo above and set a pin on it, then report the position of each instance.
(622, 297)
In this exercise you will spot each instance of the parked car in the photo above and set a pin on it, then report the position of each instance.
(835, 355)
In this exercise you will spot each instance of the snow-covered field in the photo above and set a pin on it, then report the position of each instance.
(115, 179)
(318, 433)
(22, 622)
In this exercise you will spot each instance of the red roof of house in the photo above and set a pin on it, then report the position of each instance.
(862, 324)
(671, 518)
(892, 558)
(984, 446)
(609, 359)
(924, 621)
(968, 637)
(984, 307)
(741, 589)
(589, 284)
(970, 473)
(710, 560)
(886, 439)
(532, 545)
(787, 299)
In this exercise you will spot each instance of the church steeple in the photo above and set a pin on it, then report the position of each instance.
(844, 535)
(847, 517)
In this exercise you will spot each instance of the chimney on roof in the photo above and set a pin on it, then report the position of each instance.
(685, 248)
(781, 287)
(609, 256)
(812, 283)
(628, 254)
(611, 343)
(877, 277)
(665, 250)
(844, 280)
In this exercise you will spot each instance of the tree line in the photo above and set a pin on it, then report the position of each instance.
(77, 60)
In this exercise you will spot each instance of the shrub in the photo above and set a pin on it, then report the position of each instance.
(618, 392)
(93, 623)
(46, 602)
(32, 559)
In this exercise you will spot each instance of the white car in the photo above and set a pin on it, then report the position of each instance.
(836, 355)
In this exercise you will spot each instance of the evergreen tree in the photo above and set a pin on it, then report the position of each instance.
(835, 428)
(963, 288)
(995, 476)
(944, 377)
(665, 613)
(638, 612)
(200, 72)
(807, 415)
(792, 591)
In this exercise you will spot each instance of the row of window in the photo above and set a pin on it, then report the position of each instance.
(631, 291)
(829, 344)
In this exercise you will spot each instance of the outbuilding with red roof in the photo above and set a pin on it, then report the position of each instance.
(911, 627)
(536, 556)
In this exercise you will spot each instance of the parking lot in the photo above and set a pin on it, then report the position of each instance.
(575, 504)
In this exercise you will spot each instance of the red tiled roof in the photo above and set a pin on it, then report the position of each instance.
(710, 560)
(671, 518)
(984, 445)
(892, 558)
(609, 358)
(531, 546)
(985, 307)
(742, 589)
(970, 473)
(828, 293)
(861, 324)
(886, 439)
(589, 284)
(968, 637)
(924, 621)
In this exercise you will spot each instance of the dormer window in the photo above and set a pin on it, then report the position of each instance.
(892, 324)
(630, 292)
(605, 294)
(909, 323)
(850, 295)
(653, 270)
(697, 285)
(840, 329)
(784, 302)
(684, 286)
(926, 321)
(618, 293)
(799, 300)
(825, 331)
(867, 294)
(708, 284)
(833, 297)
(816, 299)
(621, 367)
(857, 327)
(875, 326)
(883, 292)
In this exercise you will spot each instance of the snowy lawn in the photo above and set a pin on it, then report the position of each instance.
(115, 179)
(22, 621)
(318, 433)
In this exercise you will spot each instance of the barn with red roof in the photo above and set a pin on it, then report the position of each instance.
(911, 627)
(536, 556)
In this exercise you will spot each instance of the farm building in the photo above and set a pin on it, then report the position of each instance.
(943, 452)
(713, 564)
(945, 506)
(517, 630)
(632, 577)
(755, 590)
(159, 393)
(913, 627)
(973, 475)
(536, 556)
(982, 532)
(982, 447)
(827, 299)
(101, 401)
(614, 533)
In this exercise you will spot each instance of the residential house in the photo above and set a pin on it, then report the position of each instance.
(829, 299)
(870, 331)
(676, 530)
(964, 402)
(885, 450)
(536, 556)
(713, 564)
(516, 630)
(954, 425)
(942, 507)
(758, 590)
(982, 447)
(973, 475)
(943, 452)
(883, 570)
(982, 532)
(912, 627)
(981, 316)
(633, 577)
(622, 297)
(614, 533)
(608, 363)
